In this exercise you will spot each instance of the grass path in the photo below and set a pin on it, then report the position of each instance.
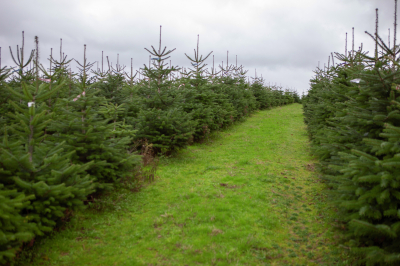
(246, 197)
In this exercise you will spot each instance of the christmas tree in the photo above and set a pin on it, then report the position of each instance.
(161, 119)
(33, 165)
(91, 133)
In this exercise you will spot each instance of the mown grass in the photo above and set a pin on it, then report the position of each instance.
(247, 196)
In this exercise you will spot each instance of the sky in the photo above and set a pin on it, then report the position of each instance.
(281, 40)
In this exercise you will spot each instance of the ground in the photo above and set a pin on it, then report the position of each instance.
(248, 195)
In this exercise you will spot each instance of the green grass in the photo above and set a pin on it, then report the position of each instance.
(246, 197)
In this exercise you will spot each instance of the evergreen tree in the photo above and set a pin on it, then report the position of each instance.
(91, 135)
(161, 119)
(111, 82)
(199, 99)
(130, 97)
(4, 95)
(262, 94)
(14, 229)
(31, 164)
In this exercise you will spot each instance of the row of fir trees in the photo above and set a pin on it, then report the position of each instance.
(352, 112)
(67, 135)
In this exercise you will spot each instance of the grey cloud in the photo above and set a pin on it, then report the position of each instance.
(284, 40)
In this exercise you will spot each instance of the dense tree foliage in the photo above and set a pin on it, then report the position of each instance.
(66, 135)
(353, 119)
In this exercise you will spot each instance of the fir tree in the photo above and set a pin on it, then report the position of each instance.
(199, 99)
(92, 136)
(161, 119)
(14, 229)
(111, 82)
(31, 164)
(5, 72)
(129, 93)
(262, 94)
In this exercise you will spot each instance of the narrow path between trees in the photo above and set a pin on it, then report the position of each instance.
(247, 196)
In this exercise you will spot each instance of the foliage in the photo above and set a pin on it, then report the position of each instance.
(68, 135)
(353, 118)
(203, 195)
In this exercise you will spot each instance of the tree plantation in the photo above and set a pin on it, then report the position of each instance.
(229, 181)
(68, 136)
(353, 119)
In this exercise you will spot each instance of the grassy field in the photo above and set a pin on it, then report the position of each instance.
(247, 196)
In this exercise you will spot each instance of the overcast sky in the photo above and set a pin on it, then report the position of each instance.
(283, 40)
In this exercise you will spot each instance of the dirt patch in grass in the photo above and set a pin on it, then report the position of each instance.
(230, 186)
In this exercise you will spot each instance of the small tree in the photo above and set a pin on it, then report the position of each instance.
(161, 119)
